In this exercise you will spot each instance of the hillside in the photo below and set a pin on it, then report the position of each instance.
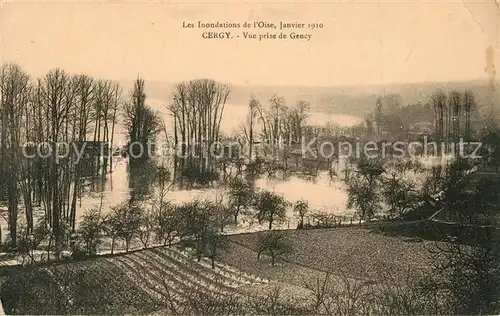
(358, 253)
(138, 282)
(349, 100)
(158, 279)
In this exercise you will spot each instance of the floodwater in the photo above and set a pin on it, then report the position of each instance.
(323, 195)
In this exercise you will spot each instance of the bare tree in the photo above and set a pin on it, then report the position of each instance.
(298, 116)
(14, 98)
(378, 115)
(126, 222)
(55, 114)
(197, 112)
(141, 122)
(469, 105)
(91, 230)
(363, 197)
(439, 105)
(216, 242)
(270, 207)
(146, 227)
(301, 207)
(112, 225)
(455, 104)
(248, 127)
(240, 196)
(273, 243)
(116, 102)
(168, 221)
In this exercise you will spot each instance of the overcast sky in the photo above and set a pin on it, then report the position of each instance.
(361, 43)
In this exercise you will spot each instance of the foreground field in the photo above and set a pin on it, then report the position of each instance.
(161, 279)
(139, 282)
(355, 252)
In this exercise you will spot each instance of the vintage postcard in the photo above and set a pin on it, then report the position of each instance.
(249, 157)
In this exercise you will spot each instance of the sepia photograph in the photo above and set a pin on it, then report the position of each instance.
(249, 157)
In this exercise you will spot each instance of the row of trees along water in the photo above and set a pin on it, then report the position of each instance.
(197, 111)
(84, 112)
(198, 223)
(56, 108)
(449, 118)
(451, 113)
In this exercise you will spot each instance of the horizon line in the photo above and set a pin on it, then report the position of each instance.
(353, 85)
(295, 85)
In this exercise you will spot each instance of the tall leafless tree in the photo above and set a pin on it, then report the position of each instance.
(439, 105)
(142, 123)
(455, 105)
(197, 110)
(14, 99)
(469, 104)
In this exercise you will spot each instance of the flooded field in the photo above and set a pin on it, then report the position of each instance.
(323, 194)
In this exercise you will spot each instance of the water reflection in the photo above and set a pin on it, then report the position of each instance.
(139, 183)
(124, 183)
(323, 194)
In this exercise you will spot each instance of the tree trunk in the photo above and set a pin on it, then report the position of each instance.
(55, 201)
(12, 211)
(198, 249)
(73, 202)
(48, 248)
(251, 134)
